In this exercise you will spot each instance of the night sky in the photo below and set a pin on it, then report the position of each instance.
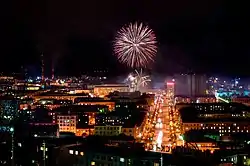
(77, 35)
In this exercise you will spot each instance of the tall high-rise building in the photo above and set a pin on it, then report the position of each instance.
(170, 92)
(190, 85)
(170, 89)
(8, 108)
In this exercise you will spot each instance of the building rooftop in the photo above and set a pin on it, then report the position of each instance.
(93, 99)
(134, 121)
(208, 96)
(22, 91)
(191, 114)
(8, 97)
(27, 99)
(121, 151)
(111, 85)
(121, 137)
(136, 118)
(221, 120)
(138, 153)
(210, 108)
(54, 101)
(62, 94)
(81, 108)
(215, 104)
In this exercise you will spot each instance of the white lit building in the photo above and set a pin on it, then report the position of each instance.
(67, 123)
(105, 89)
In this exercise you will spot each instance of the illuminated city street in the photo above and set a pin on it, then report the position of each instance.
(162, 137)
(163, 124)
(148, 128)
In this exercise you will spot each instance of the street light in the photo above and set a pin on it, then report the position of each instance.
(12, 145)
(44, 149)
(182, 138)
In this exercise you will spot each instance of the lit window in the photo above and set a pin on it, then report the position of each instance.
(76, 152)
(92, 163)
(122, 160)
(81, 153)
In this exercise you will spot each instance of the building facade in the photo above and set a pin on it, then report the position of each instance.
(107, 130)
(104, 90)
(190, 85)
(67, 123)
(224, 128)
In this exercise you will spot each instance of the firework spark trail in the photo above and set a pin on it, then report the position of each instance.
(135, 45)
(138, 80)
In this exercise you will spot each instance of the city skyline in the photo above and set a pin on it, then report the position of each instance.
(129, 83)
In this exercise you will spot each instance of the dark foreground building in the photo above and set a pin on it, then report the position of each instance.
(87, 155)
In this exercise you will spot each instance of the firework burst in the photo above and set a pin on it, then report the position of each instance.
(135, 45)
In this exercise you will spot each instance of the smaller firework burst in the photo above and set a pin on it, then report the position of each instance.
(137, 80)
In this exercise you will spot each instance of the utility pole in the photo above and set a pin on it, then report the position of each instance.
(12, 146)
(161, 160)
(44, 153)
